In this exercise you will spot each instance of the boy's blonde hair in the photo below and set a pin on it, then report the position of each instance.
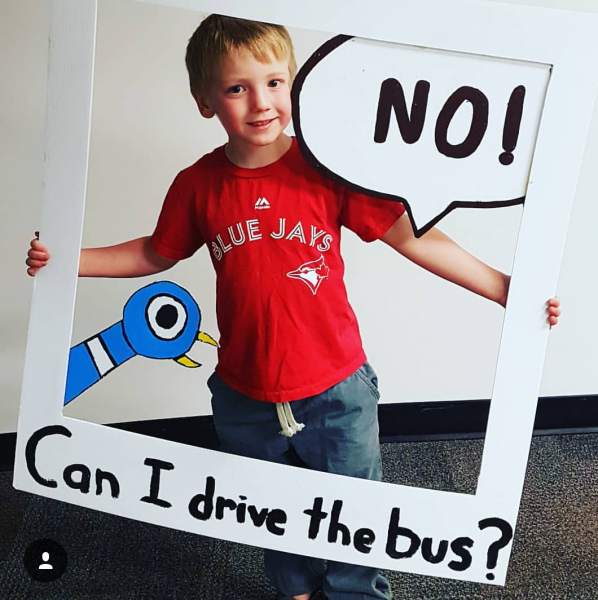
(218, 37)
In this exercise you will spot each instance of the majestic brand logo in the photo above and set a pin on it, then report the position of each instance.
(261, 204)
(311, 273)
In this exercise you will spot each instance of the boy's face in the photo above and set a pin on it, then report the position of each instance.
(252, 99)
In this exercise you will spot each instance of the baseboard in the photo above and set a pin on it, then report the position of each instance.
(404, 422)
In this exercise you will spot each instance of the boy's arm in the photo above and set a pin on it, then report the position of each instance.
(440, 255)
(135, 258)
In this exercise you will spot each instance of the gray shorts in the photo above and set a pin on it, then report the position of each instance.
(340, 436)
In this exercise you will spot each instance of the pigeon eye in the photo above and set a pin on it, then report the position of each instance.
(166, 317)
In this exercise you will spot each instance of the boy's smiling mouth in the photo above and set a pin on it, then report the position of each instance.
(264, 123)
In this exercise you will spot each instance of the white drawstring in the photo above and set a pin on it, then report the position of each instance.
(291, 419)
(287, 421)
(282, 418)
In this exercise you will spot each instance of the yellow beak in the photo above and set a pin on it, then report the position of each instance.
(207, 339)
(190, 363)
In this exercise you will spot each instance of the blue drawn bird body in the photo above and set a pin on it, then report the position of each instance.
(95, 358)
(160, 321)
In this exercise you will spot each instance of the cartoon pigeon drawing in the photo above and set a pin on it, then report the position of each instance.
(311, 273)
(160, 321)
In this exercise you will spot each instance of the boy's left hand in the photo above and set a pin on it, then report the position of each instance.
(553, 311)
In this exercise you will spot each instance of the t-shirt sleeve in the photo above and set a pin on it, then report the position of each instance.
(370, 218)
(177, 234)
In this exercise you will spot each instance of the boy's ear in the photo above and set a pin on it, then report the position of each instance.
(204, 108)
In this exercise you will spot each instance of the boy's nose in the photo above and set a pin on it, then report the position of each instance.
(260, 101)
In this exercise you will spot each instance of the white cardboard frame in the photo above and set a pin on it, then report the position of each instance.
(566, 40)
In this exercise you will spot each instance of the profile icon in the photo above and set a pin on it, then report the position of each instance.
(45, 560)
(45, 565)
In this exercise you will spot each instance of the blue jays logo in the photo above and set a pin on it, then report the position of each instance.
(159, 321)
(311, 273)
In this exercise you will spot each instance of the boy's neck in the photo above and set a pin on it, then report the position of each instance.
(248, 156)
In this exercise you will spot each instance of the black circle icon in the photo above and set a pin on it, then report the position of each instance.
(45, 560)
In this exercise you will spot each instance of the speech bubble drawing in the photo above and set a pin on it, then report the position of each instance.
(432, 129)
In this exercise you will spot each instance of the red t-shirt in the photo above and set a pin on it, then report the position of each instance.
(287, 330)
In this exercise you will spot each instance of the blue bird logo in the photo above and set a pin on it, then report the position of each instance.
(159, 321)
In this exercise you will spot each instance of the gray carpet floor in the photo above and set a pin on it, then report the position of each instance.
(555, 552)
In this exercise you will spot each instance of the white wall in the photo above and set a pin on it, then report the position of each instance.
(145, 129)
(23, 50)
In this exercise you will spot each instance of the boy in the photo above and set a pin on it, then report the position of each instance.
(288, 334)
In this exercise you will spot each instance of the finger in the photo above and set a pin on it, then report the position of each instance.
(554, 302)
(553, 321)
(35, 255)
(37, 245)
(41, 256)
(35, 264)
(37, 252)
(554, 311)
(31, 272)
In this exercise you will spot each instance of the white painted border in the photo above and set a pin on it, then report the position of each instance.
(566, 40)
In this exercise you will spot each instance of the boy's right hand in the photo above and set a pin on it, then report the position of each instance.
(38, 256)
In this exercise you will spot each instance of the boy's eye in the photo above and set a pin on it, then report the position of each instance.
(234, 89)
(276, 83)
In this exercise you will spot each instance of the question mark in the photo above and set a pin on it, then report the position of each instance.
(506, 535)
